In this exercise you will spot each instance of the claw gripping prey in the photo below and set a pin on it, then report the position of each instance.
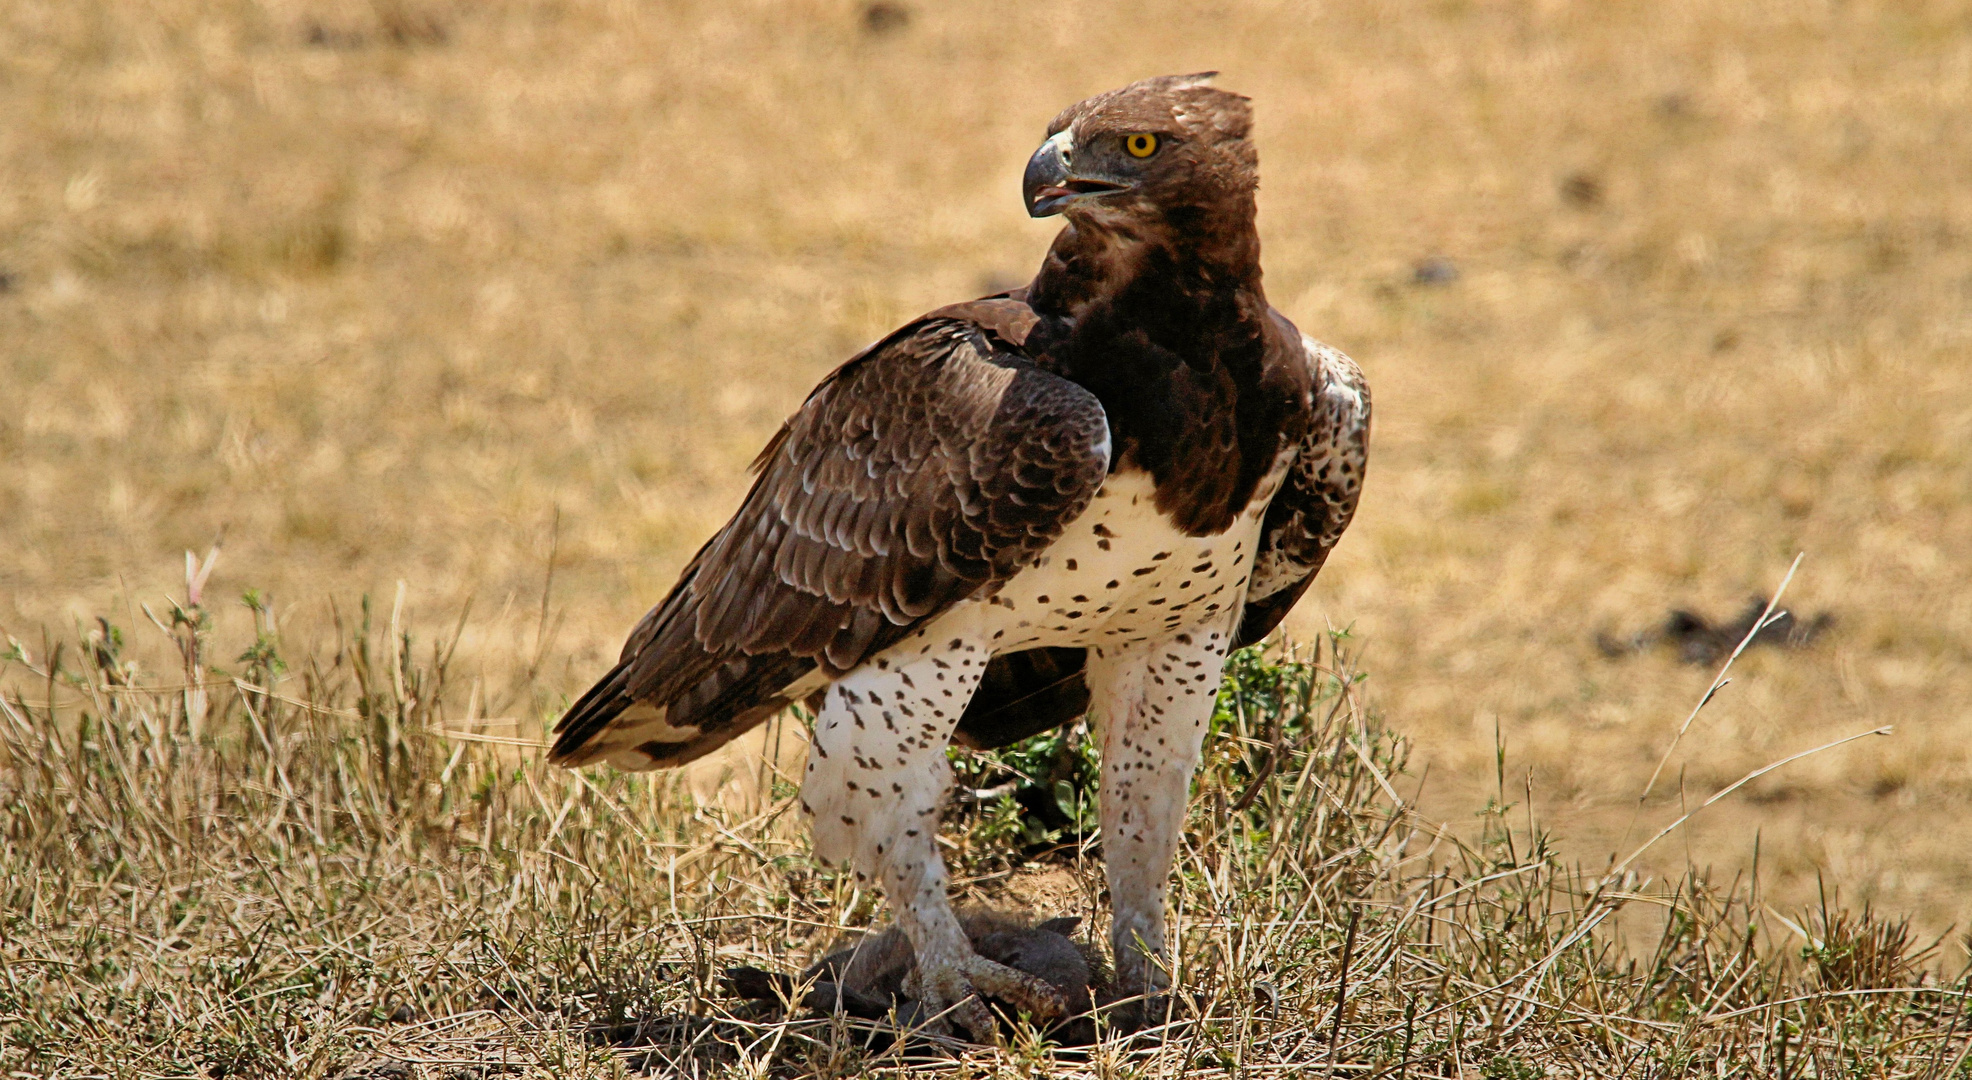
(957, 986)
(1013, 967)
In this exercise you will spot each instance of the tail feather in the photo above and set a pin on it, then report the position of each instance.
(589, 716)
(1023, 694)
(610, 723)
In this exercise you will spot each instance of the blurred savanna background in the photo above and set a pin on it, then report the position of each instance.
(497, 300)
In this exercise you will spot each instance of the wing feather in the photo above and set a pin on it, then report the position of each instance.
(927, 469)
(1318, 496)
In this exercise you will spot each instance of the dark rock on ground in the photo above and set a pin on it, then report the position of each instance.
(1699, 640)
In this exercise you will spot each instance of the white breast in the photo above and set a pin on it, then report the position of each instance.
(1123, 574)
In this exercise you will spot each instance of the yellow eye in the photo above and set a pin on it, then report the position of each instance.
(1140, 145)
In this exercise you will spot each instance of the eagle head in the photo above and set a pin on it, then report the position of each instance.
(1153, 146)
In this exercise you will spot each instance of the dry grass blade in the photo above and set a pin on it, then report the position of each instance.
(1720, 680)
(1667, 830)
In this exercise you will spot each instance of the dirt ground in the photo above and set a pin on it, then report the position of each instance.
(1653, 297)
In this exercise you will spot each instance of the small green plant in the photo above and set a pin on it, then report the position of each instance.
(1034, 796)
(1508, 1067)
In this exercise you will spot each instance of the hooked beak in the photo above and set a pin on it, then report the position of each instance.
(1049, 186)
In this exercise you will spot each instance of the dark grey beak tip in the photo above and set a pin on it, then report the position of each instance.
(1046, 169)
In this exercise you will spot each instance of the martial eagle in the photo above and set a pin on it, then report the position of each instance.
(1072, 497)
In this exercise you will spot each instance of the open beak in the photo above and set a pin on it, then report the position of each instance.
(1049, 186)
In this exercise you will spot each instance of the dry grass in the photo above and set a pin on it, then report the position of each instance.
(381, 289)
(299, 873)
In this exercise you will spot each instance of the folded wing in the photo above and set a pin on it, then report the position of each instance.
(926, 470)
(1318, 496)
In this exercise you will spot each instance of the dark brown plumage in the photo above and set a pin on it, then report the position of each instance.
(927, 468)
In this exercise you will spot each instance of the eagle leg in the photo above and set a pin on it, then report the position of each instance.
(876, 783)
(1153, 703)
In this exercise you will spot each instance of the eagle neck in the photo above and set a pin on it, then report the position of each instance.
(1165, 321)
(1195, 257)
